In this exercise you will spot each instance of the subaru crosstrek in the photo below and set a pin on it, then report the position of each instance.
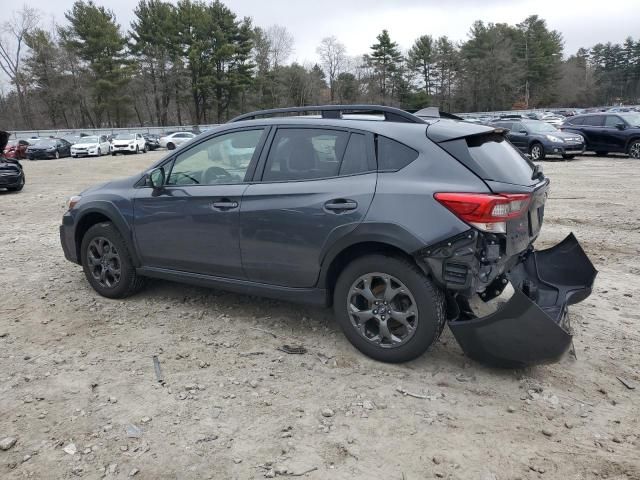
(399, 221)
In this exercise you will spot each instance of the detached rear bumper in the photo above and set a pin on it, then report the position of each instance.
(532, 327)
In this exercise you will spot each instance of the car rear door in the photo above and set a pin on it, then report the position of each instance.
(591, 130)
(191, 223)
(314, 185)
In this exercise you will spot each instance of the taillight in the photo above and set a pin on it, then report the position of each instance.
(486, 212)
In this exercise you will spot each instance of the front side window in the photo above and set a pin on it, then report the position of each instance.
(305, 154)
(220, 160)
(593, 121)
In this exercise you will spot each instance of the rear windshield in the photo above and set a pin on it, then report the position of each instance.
(492, 157)
(499, 160)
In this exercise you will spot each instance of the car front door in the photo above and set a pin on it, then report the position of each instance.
(190, 223)
(316, 186)
(614, 138)
(519, 136)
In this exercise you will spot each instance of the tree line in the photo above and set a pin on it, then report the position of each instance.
(197, 62)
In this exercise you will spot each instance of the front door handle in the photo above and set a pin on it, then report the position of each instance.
(340, 205)
(224, 204)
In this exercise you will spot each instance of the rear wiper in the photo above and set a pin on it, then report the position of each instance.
(537, 172)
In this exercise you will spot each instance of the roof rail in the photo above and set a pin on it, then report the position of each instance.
(391, 114)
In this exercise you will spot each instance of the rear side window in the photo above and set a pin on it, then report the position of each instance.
(305, 154)
(592, 121)
(612, 120)
(392, 155)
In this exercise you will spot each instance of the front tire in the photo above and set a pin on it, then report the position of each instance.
(107, 263)
(567, 156)
(57, 155)
(634, 150)
(387, 308)
(537, 152)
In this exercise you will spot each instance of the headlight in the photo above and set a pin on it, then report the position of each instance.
(553, 138)
(131, 143)
(72, 201)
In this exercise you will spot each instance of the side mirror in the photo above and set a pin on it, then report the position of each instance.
(620, 126)
(155, 178)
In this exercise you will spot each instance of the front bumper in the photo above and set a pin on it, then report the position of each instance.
(41, 155)
(532, 327)
(123, 148)
(10, 180)
(67, 238)
(564, 149)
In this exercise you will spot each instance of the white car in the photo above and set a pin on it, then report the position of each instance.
(89, 146)
(128, 143)
(173, 140)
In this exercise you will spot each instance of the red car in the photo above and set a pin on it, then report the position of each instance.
(16, 149)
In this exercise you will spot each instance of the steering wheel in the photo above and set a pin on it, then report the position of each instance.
(215, 174)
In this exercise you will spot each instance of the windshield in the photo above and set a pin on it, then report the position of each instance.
(540, 127)
(124, 136)
(46, 143)
(632, 119)
(88, 140)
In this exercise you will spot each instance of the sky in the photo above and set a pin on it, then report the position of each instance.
(356, 23)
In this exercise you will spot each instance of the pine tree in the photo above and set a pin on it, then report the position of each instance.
(385, 58)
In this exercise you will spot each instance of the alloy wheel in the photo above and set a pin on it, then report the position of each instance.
(536, 152)
(104, 262)
(382, 310)
(634, 151)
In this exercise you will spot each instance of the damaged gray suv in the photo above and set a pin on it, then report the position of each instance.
(398, 221)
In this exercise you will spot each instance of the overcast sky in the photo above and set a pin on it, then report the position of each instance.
(357, 22)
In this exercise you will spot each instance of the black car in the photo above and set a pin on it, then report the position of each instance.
(396, 221)
(49, 148)
(153, 141)
(608, 132)
(540, 139)
(11, 174)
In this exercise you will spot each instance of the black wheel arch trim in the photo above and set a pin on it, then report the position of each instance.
(109, 210)
(389, 234)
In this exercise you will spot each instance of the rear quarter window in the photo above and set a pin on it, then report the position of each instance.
(393, 155)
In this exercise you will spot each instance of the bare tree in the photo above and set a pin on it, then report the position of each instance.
(12, 43)
(281, 44)
(333, 59)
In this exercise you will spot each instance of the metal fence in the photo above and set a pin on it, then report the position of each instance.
(56, 133)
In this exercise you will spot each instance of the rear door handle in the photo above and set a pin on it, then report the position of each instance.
(224, 205)
(340, 205)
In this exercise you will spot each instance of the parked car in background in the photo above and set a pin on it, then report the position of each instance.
(74, 138)
(11, 174)
(397, 222)
(153, 141)
(552, 119)
(128, 143)
(47, 148)
(608, 132)
(91, 146)
(172, 140)
(539, 139)
(16, 149)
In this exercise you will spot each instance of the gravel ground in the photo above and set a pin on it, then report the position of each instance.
(79, 395)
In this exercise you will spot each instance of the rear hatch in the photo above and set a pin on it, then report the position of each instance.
(489, 155)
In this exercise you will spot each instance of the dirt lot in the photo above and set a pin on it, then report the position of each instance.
(79, 393)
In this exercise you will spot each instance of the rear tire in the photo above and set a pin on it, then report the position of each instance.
(107, 262)
(536, 151)
(171, 146)
(602, 154)
(634, 150)
(567, 156)
(417, 298)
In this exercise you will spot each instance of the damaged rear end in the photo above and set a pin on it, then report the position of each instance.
(532, 326)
